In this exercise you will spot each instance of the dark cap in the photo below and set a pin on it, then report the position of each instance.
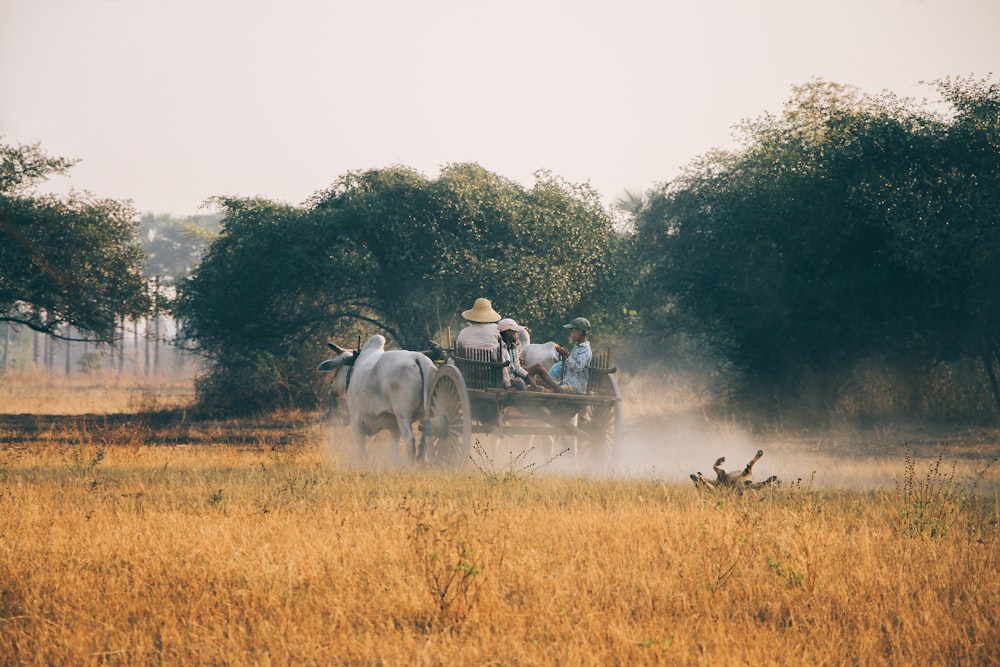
(581, 323)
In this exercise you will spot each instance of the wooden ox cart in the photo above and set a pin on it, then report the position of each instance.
(467, 398)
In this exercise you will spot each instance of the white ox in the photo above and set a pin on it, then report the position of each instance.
(384, 390)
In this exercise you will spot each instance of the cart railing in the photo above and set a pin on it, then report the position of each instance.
(481, 370)
(599, 375)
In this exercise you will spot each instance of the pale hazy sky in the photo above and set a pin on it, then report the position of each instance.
(169, 102)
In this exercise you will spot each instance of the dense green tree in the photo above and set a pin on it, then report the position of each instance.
(964, 247)
(251, 303)
(64, 261)
(846, 229)
(391, 251)
(431, 247)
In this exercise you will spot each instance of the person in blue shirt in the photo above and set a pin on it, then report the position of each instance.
(572, 372)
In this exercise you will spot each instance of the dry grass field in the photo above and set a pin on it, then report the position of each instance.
(131, 535)
(34, 392)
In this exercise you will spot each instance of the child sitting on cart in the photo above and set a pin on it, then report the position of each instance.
(515, 376)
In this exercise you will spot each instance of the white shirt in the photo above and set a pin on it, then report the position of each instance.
(479, 336)
(512, 355)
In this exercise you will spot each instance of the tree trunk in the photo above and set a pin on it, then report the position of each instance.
(156, 326)
(49, 353)
(69, 351)
(156, 344)
(988, 355)
(6, 347)
(121, 346)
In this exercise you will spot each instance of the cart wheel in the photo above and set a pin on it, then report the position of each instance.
(606, 427)
(447, 428)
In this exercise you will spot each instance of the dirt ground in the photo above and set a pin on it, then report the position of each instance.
(665, 448)
(845, 457)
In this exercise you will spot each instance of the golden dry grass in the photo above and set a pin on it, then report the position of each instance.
(31, 391)
(255, 544)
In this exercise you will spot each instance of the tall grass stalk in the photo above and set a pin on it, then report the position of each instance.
(934, 503)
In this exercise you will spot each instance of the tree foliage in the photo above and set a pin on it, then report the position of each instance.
(849, 227)
(429, 248)
(174, 247)
(391, 251)
(72, 261)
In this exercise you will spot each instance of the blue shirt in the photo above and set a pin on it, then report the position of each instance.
(575, 367)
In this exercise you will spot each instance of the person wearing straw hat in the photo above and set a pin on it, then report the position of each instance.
(572, 370)
(482, 333)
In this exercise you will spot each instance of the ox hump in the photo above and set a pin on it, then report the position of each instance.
(374, 344)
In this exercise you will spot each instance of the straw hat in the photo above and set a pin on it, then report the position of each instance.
(481, 311)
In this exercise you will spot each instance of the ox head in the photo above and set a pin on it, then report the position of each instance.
(340, 366)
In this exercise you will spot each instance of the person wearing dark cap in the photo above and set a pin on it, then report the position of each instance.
(572, 370)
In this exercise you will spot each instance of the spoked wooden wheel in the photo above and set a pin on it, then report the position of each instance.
(447, 428)
(604, 423)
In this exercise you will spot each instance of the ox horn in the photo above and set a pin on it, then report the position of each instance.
(336, 348)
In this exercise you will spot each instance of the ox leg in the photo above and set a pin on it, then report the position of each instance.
(396, 441)
(409, 441)
(360, 446)
(422, 451)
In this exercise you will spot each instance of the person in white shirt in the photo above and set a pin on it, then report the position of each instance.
(481, 333)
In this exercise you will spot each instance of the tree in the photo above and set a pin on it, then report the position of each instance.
(73, 261)
(969, 188)
(393, 252)
(841, 232)
(174, 247)
(429, 248)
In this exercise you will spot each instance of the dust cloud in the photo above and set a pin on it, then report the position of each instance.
(669, 434)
